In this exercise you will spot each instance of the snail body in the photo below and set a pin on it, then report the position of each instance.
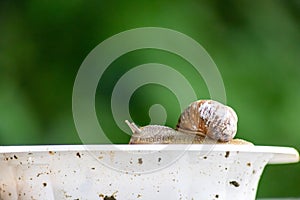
(204, 121)
(156, 134)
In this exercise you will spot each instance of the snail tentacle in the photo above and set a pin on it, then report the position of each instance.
(134, 128)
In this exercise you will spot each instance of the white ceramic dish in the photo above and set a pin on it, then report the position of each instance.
(126, 172)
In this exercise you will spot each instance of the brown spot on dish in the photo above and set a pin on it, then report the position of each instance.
(140, 161)
(204, 157)
(249, 164)
(101, 195)
(44, 184)
(159, 159)
(109, 198)
(78, 155)
(51, 153)
(15, 157)
(234, 183)
(217, 196)
(227, 154)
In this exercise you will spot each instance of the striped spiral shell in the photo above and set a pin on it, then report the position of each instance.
(209, 118)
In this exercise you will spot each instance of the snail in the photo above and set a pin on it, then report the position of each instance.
(204, 121)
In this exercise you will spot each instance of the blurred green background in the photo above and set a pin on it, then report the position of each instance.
(255, 44)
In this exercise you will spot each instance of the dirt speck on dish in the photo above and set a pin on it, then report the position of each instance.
(234, 183)
(227, 154)
(78, 155)
(140, 161)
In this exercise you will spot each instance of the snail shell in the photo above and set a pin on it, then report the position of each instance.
(209, 118)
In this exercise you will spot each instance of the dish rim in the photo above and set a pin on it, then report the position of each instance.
(281, 154)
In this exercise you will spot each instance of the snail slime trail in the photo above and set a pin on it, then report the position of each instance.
(203, 122)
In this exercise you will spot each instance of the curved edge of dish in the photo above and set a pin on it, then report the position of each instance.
(281, 155)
